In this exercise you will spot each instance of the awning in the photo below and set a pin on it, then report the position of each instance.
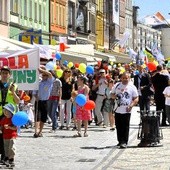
(105, 56)
(7, 44)
(121, 57)
(78, 58)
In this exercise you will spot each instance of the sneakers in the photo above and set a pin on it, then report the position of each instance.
(36, 135)
(112, 129)
(11, 164)
(61, 127)
(123, 146)
(52, 131)
(74, 128)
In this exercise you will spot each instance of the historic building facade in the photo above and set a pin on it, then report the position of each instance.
(29, 21)
(58, 19)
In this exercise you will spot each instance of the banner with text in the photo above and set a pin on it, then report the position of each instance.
(24, 67)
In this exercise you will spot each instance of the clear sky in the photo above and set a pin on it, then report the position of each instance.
(150, 7)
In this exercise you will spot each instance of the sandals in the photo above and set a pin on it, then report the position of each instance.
(86, 135)
(77, 135)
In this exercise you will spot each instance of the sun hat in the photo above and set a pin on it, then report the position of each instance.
(10, 107)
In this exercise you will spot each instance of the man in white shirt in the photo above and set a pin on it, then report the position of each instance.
(126, 95)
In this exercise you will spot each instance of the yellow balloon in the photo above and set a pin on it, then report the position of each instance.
(59, 73)
(122, 70)
(155, 62)
(70, 64)
(82, 68)
(119, 65)
(111, 63)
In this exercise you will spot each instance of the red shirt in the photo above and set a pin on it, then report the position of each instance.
(8, 133)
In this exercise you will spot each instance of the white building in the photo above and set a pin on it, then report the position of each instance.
(146, 36)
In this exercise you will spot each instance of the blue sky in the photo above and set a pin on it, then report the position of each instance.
(150, 7)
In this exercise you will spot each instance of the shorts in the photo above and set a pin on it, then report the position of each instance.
(42, 111)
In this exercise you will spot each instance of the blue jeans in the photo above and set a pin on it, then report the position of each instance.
(52, 107)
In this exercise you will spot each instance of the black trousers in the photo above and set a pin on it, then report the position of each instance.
(160, 105)
(144, 103)
(122, 122)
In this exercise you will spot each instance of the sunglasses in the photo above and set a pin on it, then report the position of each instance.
(67, 71)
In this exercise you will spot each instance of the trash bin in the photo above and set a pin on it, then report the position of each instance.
(149, 131)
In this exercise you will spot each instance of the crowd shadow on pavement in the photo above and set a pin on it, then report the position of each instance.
(99, 148)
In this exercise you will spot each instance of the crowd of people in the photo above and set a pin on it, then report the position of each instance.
(115, 90)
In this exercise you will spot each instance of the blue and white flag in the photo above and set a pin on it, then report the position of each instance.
(124, 39)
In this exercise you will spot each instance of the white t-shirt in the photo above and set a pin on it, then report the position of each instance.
(167, 92)
(102, 87)
(125, 94)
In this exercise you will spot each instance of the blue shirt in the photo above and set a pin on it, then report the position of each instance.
(45, 87)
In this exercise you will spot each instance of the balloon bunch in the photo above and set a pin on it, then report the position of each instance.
(82, 101)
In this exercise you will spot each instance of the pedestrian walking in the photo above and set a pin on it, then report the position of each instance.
(9, 134)
(82, 115)
(127, 96)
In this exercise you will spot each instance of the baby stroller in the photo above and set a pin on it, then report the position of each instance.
(149, 131)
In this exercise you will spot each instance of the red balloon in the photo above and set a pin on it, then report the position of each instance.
(90, 105)
(151, 66)
(76, 65)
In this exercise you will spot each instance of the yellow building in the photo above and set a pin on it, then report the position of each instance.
(100, 25)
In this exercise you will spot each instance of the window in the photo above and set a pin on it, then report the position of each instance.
(35, 12)
(60, 14)
(40, 12)
(52, 12)
(57, 12)
(25, 8)
(1, 9)
(44, 14)
(11, 5)
(92, 23)
(30, 8)
(14, 6)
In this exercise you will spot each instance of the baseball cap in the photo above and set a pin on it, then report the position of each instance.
(101, 71)
(5, 68)
(10, 107)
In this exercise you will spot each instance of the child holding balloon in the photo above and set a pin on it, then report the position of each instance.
(73, 99)
(82, 115)
(9, 132)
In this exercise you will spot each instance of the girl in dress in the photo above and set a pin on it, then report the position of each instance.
(82, 115)
(108, 105)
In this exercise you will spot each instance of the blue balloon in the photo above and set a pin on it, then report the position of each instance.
(136, 72)
(20, 118)
(89, 70)
(50, 65)
(81, 99)
(65, 63)
(58, 56)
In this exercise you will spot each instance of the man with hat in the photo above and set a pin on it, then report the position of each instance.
(7, 95)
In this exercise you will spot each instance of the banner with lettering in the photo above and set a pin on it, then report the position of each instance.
(24, 67)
